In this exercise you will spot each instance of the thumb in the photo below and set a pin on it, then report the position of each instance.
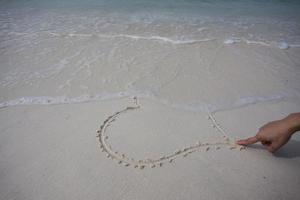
(248, 141)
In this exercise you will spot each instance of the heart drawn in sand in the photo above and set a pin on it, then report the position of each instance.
(123, 159)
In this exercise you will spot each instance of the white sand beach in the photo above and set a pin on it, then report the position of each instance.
(141, 101)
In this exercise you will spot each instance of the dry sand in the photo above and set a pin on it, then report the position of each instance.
(51, 152)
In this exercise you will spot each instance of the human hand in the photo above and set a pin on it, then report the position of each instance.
(274, 135)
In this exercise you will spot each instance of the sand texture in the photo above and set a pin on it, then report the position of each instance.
(101, 103)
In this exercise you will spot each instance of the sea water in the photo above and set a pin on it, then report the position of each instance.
(71, 51)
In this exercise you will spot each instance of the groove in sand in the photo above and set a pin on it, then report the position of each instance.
(122, 158)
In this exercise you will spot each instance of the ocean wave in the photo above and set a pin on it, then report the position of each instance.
(230, 41)
(280, 45)
(195, 107)
(137, 37)
(128, 36)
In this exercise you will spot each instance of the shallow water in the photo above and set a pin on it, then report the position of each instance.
(54, 52)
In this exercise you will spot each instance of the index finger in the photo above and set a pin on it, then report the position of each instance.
(248, 141)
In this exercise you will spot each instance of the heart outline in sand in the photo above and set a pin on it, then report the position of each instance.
(122, 158)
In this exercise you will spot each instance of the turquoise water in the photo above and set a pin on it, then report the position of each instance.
(272, 20)
(209, 7)
(176, 9)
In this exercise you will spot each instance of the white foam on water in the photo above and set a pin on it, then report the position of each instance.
(135, 37)
(229, 41)
(261, 43)
(280, 45)
(195, 107)
(232, 41)
(56, 100)
(283, 45)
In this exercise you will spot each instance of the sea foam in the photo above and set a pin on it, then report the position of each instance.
(195, 107)
(229, 41)
(280, 45)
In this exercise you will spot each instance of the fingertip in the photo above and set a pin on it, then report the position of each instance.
(248, 141)
(238, 142)
(251, 140)
(242, 142)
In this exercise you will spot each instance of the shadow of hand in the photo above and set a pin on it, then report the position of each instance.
(290, 150)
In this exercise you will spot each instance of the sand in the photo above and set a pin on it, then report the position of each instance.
(52, 152)
(108, 114)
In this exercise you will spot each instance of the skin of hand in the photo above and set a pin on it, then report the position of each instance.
(274, 135)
